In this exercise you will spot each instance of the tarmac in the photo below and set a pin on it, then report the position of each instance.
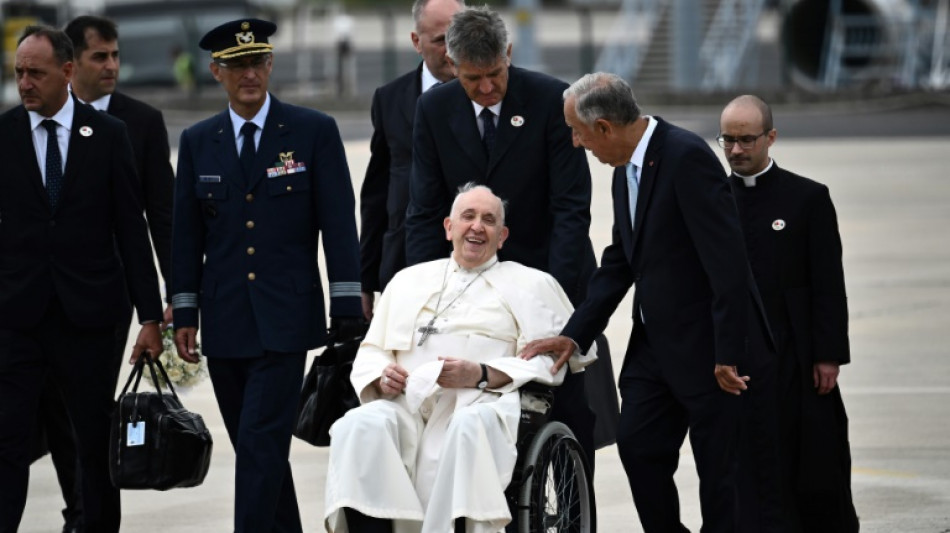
(892, 195)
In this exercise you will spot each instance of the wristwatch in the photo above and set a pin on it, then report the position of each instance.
(482, 383)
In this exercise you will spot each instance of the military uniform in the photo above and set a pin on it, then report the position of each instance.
(244, 247)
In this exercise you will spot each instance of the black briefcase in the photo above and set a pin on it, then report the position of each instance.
(155, 442)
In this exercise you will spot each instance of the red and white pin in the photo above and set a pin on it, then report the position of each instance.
(517, 121)
(778, 225)
(85, 131)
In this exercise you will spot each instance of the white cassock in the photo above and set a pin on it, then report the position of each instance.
(431, 455)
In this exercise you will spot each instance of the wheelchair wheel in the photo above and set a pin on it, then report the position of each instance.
(556, 495)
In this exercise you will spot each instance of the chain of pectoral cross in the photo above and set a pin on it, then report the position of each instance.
(430, 328)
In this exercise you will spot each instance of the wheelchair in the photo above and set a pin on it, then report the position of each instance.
(551, 489)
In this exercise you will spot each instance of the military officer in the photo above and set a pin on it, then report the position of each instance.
(257, 185)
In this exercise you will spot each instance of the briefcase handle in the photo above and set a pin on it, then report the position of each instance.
(139, 369)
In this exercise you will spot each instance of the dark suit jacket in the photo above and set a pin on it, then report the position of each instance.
(385, 192)
(534, 167)
(71, 252)
(248, 246)
(149, 140)
(686, 257)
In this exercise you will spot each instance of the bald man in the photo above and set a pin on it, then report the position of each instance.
(791, 235)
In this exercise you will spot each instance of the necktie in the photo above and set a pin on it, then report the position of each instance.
(247, 149)
(488, 135)
(633, 189)
(54, 163)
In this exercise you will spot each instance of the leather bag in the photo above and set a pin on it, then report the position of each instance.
(327, 393)
(155, 442)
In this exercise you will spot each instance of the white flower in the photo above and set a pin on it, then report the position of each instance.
(181, 373)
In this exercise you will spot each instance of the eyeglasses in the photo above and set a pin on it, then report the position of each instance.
(746, 142)
(257, 62)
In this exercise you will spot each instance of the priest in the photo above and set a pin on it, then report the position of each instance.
(433, 443)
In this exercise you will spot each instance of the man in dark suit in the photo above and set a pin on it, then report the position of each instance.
(791, 234)
(385, 192)
(95, 72)
(257, 185)
(502, 126)
(677, 237)
(70, 222)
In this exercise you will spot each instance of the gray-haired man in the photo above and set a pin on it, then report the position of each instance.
(503, 126)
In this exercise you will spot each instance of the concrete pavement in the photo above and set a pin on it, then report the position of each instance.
(893, 201)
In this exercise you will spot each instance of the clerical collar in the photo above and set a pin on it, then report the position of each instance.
(749, 181)
(477, 270)
(428, 79)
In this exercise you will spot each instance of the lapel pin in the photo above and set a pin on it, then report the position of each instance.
(517, 121)
(778, 225)
(280, 125)
(651, 163)
(221, 131)
(85, 131)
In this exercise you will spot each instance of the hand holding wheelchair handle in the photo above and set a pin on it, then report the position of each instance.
(559, 348)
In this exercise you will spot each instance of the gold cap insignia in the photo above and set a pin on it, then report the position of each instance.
(245, 38)
(245, 26)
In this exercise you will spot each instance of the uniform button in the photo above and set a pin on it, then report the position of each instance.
(209, 195)
(251, 276)
(249, 197)
(289, 188)
(249, 224)
(250, 250)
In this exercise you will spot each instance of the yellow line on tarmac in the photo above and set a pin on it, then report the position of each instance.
(882, 472)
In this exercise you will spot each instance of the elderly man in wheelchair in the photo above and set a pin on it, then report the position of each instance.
(434, 444)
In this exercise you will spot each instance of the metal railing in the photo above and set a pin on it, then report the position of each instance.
(730, 36)
(630, 37)
(908, 51)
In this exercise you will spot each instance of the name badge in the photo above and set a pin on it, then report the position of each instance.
(135, 433)
(209, 179)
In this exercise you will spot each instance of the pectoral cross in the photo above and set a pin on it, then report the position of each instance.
(427, 330)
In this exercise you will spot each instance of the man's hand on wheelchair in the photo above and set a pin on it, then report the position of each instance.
(559, 348)
(392, 381)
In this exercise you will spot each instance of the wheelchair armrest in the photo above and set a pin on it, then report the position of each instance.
(536, 401)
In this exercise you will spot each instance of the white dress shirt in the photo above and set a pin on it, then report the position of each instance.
(64, 124)
(237, 121)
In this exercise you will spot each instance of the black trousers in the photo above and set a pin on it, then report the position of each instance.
(664, 396)
(258, 400)
(79, 361)
(58, 433)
